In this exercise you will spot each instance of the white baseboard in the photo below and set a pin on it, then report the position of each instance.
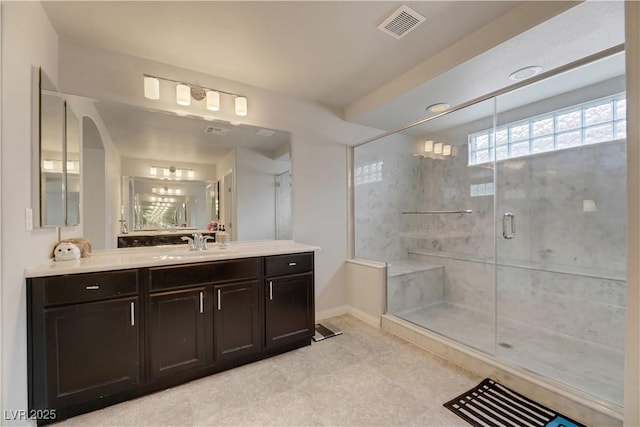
(348, 309)
(365, 317)
(332, 312)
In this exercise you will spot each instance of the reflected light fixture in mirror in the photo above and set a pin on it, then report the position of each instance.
(437, 148)
(172, 171)
(428, 146)
(446, 150)
(186, 91)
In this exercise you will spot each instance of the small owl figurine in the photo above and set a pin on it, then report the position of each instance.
(66, 251)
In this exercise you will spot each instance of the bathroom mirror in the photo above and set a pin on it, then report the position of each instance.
(155, 204)
(138, 150)
(55, 151)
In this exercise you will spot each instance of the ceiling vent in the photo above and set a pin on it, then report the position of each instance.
(216, 131)
(401, 22)
(265, 132)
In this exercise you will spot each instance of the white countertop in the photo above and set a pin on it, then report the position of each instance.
(154, 256)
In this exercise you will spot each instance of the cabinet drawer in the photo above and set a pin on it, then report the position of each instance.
(282, 265)
(162, 278)
(75, 288)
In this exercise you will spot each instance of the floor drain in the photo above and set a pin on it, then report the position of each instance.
(505, 345)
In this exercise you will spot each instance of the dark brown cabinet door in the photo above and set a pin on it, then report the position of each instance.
(236, 320)
(93, 350)
(179, 331)
(289, 309)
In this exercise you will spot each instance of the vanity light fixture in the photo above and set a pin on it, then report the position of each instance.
(172, 172)
(437, 148)
(446, 150)
(428, 146)
(186, 91)
(166, 191)
(47, 165)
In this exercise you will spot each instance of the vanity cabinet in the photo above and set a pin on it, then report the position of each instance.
(289, 301)
(237, 321)
(180, 337)
(85, 338)
(96, 339)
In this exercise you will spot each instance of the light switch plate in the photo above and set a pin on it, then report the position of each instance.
(28, 219)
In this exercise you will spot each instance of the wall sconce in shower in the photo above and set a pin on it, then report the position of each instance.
(186, 91)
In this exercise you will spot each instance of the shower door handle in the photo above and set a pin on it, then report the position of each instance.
(508, 226)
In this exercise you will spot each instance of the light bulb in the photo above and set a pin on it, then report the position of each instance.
(151, 88)
(213, 100)
(241, 106)
(183, 94)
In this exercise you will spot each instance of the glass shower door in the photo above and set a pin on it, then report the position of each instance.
(560, 235)
(437, 215)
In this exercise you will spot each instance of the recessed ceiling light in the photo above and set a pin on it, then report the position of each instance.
(438, 108)
(525, 73)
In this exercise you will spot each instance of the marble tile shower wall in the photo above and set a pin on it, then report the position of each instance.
(570, 215)
(446, 185)
(570, 209)
(387, 180)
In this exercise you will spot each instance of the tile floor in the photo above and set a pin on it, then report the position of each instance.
(364, 377)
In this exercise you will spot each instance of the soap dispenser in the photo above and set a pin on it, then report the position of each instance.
(222, 237)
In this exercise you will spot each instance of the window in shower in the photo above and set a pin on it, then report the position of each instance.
(592, 122)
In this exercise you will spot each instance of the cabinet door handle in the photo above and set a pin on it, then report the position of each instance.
(201, 302)
(508, 217)
(293, 264)
(219, 300)
(270, 290)
(92, 287)
(133, 314)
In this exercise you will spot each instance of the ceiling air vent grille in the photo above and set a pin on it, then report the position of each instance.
(401, 22)
(216, 130)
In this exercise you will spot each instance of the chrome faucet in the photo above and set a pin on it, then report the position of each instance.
(198, 242)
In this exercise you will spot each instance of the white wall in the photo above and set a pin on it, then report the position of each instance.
(28, 39)
(255, 184)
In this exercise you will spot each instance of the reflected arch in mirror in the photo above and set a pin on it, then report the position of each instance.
(93, 177)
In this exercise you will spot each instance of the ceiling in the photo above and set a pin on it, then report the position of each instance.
(326, 51)
(329, 52)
